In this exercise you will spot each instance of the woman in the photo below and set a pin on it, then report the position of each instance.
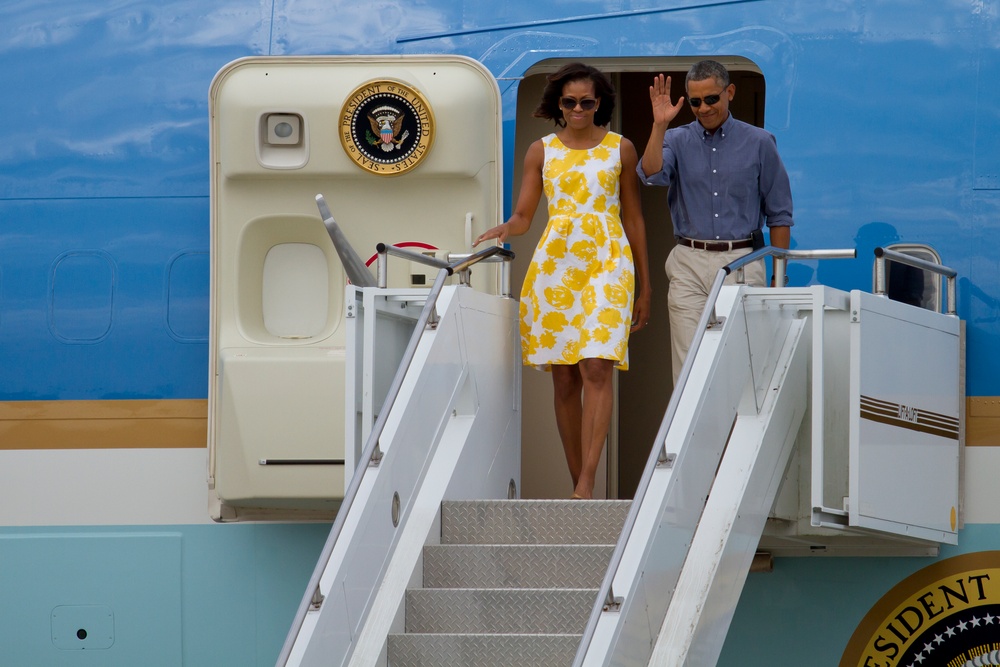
(578, 302)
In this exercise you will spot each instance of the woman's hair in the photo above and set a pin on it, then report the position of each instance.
(603, 90)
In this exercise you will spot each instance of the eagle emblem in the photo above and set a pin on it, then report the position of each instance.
(386, 123)
(386, 127)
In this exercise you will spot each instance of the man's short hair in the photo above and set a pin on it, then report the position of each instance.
(708, 69)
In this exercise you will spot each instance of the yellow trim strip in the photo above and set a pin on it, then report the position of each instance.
(982, 421)
(181, 423)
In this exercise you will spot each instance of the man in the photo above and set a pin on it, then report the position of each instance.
(725, 179)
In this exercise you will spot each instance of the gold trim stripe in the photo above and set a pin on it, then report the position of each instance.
(910, 426)
(889, 407)
(982, 421)
(125, 424)
(925, 418)
(887, 412)
(183, 423)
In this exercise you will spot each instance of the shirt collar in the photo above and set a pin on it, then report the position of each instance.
(723, 129)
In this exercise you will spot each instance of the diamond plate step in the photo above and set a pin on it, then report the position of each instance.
(533, 521)
(499, 610)
(516, 566)
(513, 582)
(451, 650)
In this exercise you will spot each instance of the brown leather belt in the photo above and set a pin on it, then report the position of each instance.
(716, 246)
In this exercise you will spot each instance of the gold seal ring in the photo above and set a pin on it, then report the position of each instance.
(386, 127)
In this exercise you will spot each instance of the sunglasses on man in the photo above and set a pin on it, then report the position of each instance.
(708, 99)
(568, 103)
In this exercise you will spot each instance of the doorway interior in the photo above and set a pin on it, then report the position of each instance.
(642, 392)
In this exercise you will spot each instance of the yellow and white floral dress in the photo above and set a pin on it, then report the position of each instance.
(576, 302)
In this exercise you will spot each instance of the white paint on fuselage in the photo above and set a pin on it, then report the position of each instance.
(94, 487)
(982, 493)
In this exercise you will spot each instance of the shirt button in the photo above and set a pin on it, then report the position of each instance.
(715, 194)
(713, 171)
(713, 150)
(716, 215)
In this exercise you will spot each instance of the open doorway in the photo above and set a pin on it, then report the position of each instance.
(642, 392)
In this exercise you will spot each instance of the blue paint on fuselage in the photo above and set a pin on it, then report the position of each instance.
(883, 114)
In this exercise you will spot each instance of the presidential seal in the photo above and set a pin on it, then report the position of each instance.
(946, 614)
(386, 127)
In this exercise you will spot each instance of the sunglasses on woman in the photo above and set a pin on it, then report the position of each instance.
(708, 99)
(568, 103)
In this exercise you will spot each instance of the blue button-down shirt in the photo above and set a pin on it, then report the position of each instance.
(723, 185)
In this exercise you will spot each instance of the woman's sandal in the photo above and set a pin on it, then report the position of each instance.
(576, 496)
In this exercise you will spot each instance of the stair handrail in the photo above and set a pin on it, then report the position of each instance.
(606, 599)
(882, 254)
(459, 263)
(354, 267)
(372, 455)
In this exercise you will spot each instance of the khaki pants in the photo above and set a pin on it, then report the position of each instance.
(691, 273)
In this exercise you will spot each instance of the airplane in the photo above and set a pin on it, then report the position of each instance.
(125, 253)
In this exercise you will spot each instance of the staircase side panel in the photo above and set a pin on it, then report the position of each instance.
(746, 485)
(905, 419)
(666, 521)
(440, 404)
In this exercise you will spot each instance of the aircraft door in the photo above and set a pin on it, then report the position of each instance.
(388, 143)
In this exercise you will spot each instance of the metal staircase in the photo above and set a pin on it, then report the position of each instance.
(425, 566)
(512, 583)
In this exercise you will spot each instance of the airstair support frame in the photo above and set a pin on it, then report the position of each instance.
(709, 485)
(453, 432)
(690, 593)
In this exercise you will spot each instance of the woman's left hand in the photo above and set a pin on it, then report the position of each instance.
(640, 313)
(500, 232)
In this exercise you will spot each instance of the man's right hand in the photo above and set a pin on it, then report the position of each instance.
(664, 110)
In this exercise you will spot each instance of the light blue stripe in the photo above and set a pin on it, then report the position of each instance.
(213, 595)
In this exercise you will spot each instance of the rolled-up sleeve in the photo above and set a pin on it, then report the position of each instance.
(775, 188)
(665, 175)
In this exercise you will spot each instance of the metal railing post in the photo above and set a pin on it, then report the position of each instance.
(881, 287)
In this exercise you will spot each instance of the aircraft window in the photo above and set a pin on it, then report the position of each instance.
(911, 285)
